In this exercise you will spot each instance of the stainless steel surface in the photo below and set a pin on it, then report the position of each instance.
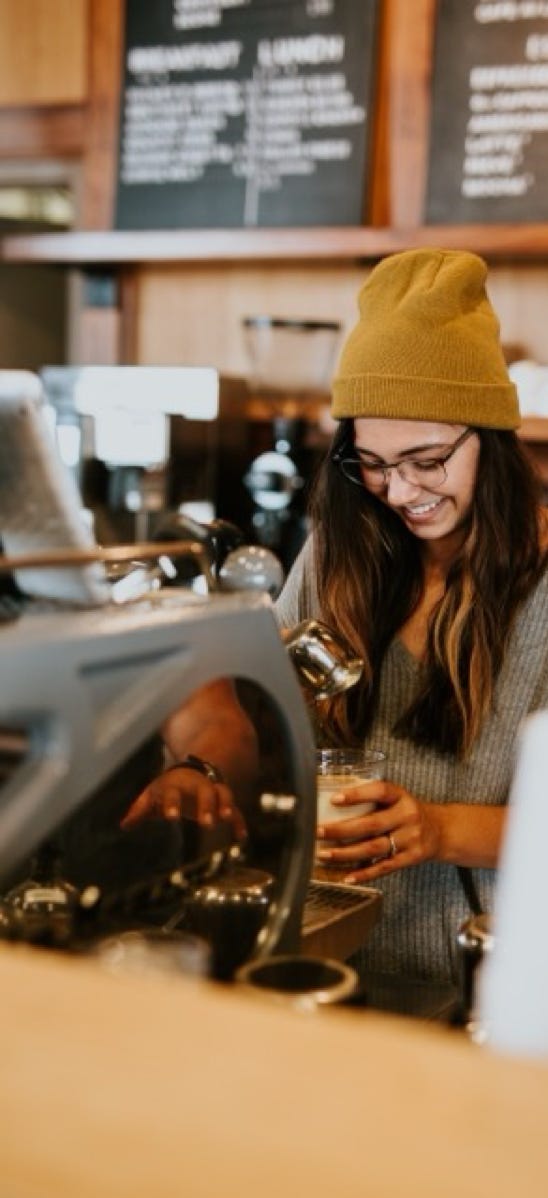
(85, 693)
(306, 983)
(229, 912)
(251, 568)
(476, 934)
(112, 553)
(337, 919)
(125, 589)
(324, 663)
(475, 940)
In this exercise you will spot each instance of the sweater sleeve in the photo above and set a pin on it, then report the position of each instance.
(299, 598)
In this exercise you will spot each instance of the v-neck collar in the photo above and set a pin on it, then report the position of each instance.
(414, 663)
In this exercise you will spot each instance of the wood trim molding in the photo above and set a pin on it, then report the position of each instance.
(42, 132)
(411, 41)
(100, 160)
(376, 209)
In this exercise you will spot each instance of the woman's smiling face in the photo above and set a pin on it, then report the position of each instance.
(430, 511)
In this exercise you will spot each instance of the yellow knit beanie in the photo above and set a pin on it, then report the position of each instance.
(426, 346)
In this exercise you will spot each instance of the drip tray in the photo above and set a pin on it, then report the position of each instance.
(337, 919)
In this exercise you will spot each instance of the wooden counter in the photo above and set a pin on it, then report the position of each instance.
(117, 1089)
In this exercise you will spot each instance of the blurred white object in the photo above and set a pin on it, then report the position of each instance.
(251, 568)
(129, 406)
(513, 985)
(40, 505)
(531, 380)
(273, 479)
(191, 391)
(202, 510)
(124, 437)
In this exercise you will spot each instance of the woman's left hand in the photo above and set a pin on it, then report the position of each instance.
(402, 831)
(185, 793)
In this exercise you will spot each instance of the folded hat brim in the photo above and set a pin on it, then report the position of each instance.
(484, 405)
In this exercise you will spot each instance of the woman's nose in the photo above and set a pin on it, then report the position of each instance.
(399, 489)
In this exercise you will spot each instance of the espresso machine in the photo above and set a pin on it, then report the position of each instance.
(74, 755)
(92, 669)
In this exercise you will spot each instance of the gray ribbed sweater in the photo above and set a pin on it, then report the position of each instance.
(424, 906)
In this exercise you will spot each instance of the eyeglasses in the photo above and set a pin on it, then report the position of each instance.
(375, 476)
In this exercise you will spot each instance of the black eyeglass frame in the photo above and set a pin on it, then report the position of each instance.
(340, 458)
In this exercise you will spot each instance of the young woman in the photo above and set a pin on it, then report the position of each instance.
(428, 552)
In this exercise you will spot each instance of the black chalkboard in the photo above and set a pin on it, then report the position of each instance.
(240, 113)
(489, 128)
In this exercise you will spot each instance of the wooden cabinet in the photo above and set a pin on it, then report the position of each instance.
(43, 52)
(44, 86)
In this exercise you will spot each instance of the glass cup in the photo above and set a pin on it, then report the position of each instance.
(337, 770)
(342, 769)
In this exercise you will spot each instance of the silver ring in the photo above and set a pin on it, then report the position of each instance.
(393, 845)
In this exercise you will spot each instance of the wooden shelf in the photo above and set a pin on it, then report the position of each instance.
(277, 245)
(534, 429)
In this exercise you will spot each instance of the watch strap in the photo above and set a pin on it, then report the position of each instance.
(192, 762)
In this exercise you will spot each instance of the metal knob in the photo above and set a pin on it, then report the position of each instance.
(251, 568)
(475, 939)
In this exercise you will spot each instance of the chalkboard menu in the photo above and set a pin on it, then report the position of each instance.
(242, 113)
(489, 131)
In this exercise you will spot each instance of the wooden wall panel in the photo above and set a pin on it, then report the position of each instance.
(520, 297)
(192, 315)
(43, 52)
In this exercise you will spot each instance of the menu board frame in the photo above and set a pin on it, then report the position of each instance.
(264, 121)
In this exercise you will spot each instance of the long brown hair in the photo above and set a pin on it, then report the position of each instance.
(370, 579)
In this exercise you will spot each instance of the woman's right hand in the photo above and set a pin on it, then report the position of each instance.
(402, 831)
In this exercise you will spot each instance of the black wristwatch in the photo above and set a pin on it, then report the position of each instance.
(201, 766)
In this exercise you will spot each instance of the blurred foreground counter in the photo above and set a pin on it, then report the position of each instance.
(119, 1088)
